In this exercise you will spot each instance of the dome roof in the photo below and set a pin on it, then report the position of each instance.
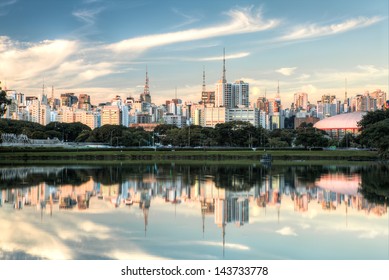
(341, 121)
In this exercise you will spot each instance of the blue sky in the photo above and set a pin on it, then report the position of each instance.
(102, 47)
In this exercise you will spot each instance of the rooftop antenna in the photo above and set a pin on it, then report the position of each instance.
(345, 89)
(278, 89)
(43, 87)
(224, 66)
(175, 93)
(52, 92)
(146, 88)
(203, 78)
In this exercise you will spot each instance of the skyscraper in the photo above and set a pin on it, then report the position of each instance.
(240, 94)
(301, 100)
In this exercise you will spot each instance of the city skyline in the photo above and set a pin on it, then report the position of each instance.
(102, 48)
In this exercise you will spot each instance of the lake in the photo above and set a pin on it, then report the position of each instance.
(206, 211)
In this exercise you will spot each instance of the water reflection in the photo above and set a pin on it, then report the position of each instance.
(222, 195)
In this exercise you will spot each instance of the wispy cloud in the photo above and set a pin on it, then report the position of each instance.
(286, 71)
(314, 30)
(242, 21)
(188, 19)
(88, 16)
(4, 5)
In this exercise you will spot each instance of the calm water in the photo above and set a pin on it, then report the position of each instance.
(175, 211)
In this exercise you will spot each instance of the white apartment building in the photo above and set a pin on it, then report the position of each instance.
(110, 115)
(213, 116)
(245, 114)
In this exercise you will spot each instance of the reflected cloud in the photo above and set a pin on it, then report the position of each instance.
(287, 231)
(369, 234)
(28, 238)
(161, 213)
(305, 226)
(227, 245)
(92, 229)
(134, 255)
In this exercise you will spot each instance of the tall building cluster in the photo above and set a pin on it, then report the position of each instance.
(227, 102)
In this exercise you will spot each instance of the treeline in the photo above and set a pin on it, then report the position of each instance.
(374, 134)
(231, 134)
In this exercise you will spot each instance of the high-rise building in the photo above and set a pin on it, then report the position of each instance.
(244, 114)
(68, 99)
(380, 96)
(214, 116)
(223, 94)
(84, 102)
(111, 115)
(301, 100)
(261, 103)
(240, 94)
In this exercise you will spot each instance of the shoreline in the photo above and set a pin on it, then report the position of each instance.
(12, 155)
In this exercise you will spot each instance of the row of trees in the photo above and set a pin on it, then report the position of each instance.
(231, 134)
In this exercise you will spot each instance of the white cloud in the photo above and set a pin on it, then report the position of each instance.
(20, 63)
(368, 68)
(242, 21)
(286, 71)
(314, 30)
(287, 231)
(310, 89)
(228, 57)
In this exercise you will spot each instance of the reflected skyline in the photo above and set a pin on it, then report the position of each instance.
(217, 216)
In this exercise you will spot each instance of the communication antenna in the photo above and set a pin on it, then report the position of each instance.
(224, 66)
(203, 78)
(345, 89)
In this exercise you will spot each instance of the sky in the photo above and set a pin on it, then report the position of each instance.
(103, 48)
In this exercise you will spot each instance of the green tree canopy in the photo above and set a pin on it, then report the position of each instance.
(311, 137)
(4, 101)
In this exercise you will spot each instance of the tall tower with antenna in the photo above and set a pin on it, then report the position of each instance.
(207, 97)
(44, 97)
(223, 94)
(346, 103)
(345, 90)
(224, 66)
(145, 96)
(204, 79)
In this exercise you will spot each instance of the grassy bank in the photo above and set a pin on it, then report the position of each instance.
(55, 155)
